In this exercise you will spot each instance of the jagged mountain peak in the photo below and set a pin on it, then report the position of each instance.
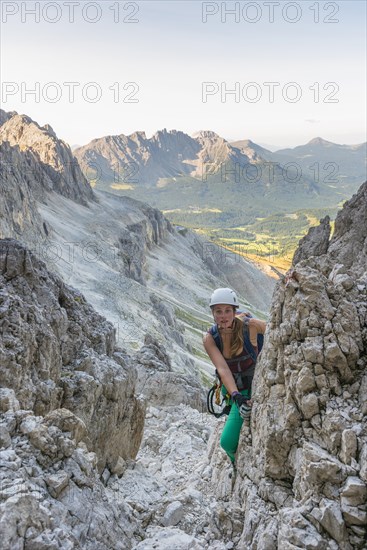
(138, 136)
(22, 130)
(5, 116)
(249, 143)
(39, 159)
(251, 149)
(117, 140)
(208, 135)
(50, 130)
(348, 245)
(102, 139)
(169, 134)
(320, 141)
(168, 153)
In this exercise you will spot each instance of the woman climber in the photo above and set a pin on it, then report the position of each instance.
(232, 345)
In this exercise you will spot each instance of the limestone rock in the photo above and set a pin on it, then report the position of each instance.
(310, 405)
(8, 400)
(173, 514)
(167, 539)
(58, 360)
(348, 245)
(354, 515)
(159, 385)
(354, 492)
(349, 446)
(68, 409)
(18, 207)
(363, 462)
(57, 482)
(295, 531)
(315, 243)
(330, 517)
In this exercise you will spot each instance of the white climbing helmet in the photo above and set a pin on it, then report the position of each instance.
(224, 296)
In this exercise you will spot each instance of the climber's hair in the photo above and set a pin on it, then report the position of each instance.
(237, 336)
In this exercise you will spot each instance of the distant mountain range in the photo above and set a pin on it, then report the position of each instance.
(173, 170)
(331, 163)
(201, 156)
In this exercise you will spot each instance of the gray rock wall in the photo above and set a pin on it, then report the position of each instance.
(68, 413)
(59, 353)
(18, 207)
(349, 242)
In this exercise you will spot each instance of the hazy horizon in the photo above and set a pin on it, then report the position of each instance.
(271, 147)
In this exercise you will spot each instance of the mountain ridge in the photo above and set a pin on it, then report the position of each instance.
(204, 155)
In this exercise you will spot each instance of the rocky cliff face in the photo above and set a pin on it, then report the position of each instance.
(302, 475)
(70, 427)
(4, 116)
(315, 243)
(214, 153)
(69, 415)
(37, 167)
(59, 353)
(18, 206)
(349, 243)
(48, 163)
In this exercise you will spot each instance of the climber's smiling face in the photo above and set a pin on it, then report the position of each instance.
(224, 315)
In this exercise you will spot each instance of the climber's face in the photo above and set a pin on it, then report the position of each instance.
(223, 315)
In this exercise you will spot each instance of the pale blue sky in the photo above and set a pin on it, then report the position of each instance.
(169, 53)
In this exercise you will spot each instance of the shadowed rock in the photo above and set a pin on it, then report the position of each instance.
(58, 352)
(315, 243)
(349, 243)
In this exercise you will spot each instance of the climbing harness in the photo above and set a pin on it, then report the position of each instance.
(217, 404)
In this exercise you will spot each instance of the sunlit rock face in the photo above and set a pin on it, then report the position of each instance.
(46, 160)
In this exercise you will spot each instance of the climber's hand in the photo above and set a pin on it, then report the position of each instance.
(243, 405)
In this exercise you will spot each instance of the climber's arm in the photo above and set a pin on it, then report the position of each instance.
(219, 363)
